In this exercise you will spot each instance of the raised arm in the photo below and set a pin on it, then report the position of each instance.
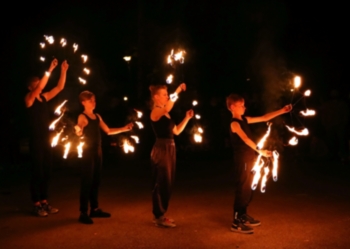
(113, 131)
(157, 113)
(30, 97)
(180, 127)
(61, 82)
(270, 115)
(236, 128)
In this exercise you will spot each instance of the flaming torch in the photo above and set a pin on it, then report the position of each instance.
(53, 124)
(136, 138)
(80, 149)
(297, 82)
(67, 148)
(303, 132)
(42, 58)
(275, 155)
(42, 44)
(256, 170)
(81, 80)
(58, 109)
(170, 78)
(139, 124)
(55, 139)
(308, 113)
(127, 146)
(293, 141)
(85, 57)
(63, 42)
(75, 47)
(139, 114)
(264, 180)
(87, 71)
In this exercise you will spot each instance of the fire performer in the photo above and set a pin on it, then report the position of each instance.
(89, 125)
(40, 148)
(163, 155)
(243, 155)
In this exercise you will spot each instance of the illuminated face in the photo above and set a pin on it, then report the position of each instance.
(238, 107)
(161, 97)
(89, 104)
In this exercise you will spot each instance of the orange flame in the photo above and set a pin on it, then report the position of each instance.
(275, 155)
(308, 113)
(75, 47)
(80, 149)
(257, 172)
(261, 143)
(53, 124)
(55, 139)
(139, 113)
(297, 82)
(139, 124)
(66, 151)
(307, 93)
(170, 78)
(136, 138)
(127, 146)
(87, 71)
(303, 132)
(58, 109)
(293, 141)
(194, 102)
(264, 180)
(85, 57)
(197, 138)
(81, 80)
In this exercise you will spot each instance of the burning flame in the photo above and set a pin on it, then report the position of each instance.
(275, 155)
(53, 124)
(297, 82)
(257, 171)
(42, 45)
(80, 149)
(307, 93)
(49, 39)
(139, 124)
(136, 138)
(75, 47)
(200, 130)
(55, 139)
(128, 147)
(194, 102)
(293, 141)
(47, 73)
(308, 113)
(198, 116)
(67, 146)
(261, 143)
(170, 61)
(264, 180)
(87, 71)
(81, 80)
(127, 58)
(125, 98)
(63, 42)
(58, 109)
(197, 138)
(179, 57)
(170, 78)
(85, 57)
(303, 132)
(42, 58)
(139, 114)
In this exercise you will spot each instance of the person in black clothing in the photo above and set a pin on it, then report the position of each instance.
(243, 154)
(39, 140)
(163, 154)
(88, 126)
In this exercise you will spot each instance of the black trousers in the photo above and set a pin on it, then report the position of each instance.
(163, 161)
(41, 166)
(243, 164)
(91, 165)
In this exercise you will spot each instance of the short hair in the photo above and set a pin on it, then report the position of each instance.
(155, 88)
(85, 95)
(233, 98)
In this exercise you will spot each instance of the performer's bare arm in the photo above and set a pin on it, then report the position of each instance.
(180, 127)
(30, 97)
(61, 82)
(113, 131)
(270, 115)
(82, 122)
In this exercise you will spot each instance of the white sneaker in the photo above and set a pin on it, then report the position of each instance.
(164, 222)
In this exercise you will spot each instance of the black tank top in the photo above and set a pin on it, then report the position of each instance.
(237, 143)
(39, 121)
(163, 128)
(92, 133)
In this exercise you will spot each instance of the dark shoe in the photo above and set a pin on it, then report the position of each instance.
(249, 221)
(239, 227)
(99, 214)
(49, 209)
(40, 211)
(85, 219)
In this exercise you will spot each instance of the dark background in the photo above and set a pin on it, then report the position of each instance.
(253, 49)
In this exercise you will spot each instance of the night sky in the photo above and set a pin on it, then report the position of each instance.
(232, 46)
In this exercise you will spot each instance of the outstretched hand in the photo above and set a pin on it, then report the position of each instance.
(265, 153)
(129, 126)
(181, 87)
(190, 113)
(53, 64)
(287, 108)
(64, 66)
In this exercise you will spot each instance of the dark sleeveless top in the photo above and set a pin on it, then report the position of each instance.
(92, 133)
(163, 128)
(39, 121)
(237, 143)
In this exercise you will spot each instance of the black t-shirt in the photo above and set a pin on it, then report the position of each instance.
(92, 133)
(238, 145)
